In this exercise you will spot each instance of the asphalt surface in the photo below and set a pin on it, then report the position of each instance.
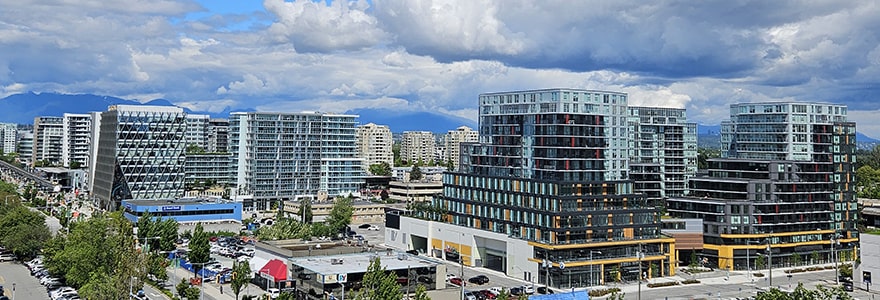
(26, 286)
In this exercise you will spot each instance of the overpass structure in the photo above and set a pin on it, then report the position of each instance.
(24, 177)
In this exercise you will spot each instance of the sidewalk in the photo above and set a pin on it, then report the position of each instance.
(210, 289)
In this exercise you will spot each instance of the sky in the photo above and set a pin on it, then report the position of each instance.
(438, 56)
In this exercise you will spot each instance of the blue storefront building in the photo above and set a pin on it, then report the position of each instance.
(185, 210)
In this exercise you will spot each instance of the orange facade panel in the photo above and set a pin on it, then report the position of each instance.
(688, 241)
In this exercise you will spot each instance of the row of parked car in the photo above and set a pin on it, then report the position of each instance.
(54, 285)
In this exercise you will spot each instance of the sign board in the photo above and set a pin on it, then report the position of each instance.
(866, 277)
(170, 207)
(561, 265)
(342, 278)
(267, 276)
(327, 279)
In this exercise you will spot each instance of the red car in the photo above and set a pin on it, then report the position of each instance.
(488, 294)
(456, 281)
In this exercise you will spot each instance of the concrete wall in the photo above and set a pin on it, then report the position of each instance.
(869, 254)
(467, 241)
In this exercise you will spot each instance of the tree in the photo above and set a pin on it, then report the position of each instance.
(796, 259)
(241, 273)
(194, 149)
(200, 250)
(305, 211)
(340, 214)
(185, 290)
(415, 173)
(814, 257)
(760, 263)
(450, 165)
(617, 296)
(156, 265)
(98, 256)
(845, 270)
(421, 293)
(75, 165)
(504, 295)
(22, 230)
(157, 233)
(380, 169)
(379, 284)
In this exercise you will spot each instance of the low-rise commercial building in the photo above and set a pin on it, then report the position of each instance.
(184, 209)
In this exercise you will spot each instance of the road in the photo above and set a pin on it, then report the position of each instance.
(26, 286)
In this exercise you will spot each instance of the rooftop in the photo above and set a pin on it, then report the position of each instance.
(179, 201)
(359, 262)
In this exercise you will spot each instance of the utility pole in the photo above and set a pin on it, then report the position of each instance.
(770, 262)
(834, 257)
(591, 266)
(748, 267)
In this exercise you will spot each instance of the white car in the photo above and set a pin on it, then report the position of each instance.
(373, 228)
(528, 289)
(496, 290)
(8, 257)
(273, 293)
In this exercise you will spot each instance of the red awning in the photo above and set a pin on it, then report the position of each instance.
(276, 269)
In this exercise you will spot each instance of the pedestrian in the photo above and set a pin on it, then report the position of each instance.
(221, 289)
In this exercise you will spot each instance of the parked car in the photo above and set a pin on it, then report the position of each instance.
(528, 289)
(8, 257)
(544, 290)
(425, 279)
(516, 291)
(496, 290)
(479, 279)
(373, 228)
(488, 294)
(273, 293)
(456, 281)
(364, 226)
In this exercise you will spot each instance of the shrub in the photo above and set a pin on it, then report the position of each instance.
(758, 274)
(603, 292)
(662, 284)
(690, 281)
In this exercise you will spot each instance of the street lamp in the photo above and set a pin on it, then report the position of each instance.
(835, 240)
(641, 255)
(591, 266)
(770, 263)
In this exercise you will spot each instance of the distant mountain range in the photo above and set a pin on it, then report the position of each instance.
(23, 108)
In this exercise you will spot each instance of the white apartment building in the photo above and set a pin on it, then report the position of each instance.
(197, 130)
(374, 144)
(48, 136)
(662, 151)
(417, 146)
(452, 143)
(77, 140)
(26, 147)
(289, 156)
(8, 137)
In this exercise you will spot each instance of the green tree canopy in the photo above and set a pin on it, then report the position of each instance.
(415, 174)
(380, 169)
(200, 249)
(22, 230)
(379, 284)
(241, 276)
(340, 214)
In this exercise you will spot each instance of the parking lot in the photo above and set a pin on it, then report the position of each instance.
(26, 286)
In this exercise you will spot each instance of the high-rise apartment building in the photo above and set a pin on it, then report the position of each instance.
(662, 151)
(551, 167)
(288, 156)
(77, 140)
(218, 136)
(140, 154)
(417, 146)
(197, 130)
(25, 146)
(8, 137)
(785, 182)
(48, 137)
(374, 144)
(452, 142)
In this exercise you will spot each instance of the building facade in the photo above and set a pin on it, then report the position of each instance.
(417, 146)
(786, 184)
(288, 156)
(140, 154)
(77, 140)
(662, 151)
(218, 136)
(452, 144)
(374, 145)
(25, 147)
(197, 127)
(8, 137)
(551, 168)
(208, 169)
(48, 136)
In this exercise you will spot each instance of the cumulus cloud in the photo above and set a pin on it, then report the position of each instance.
(314, 27)
(439, 55)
